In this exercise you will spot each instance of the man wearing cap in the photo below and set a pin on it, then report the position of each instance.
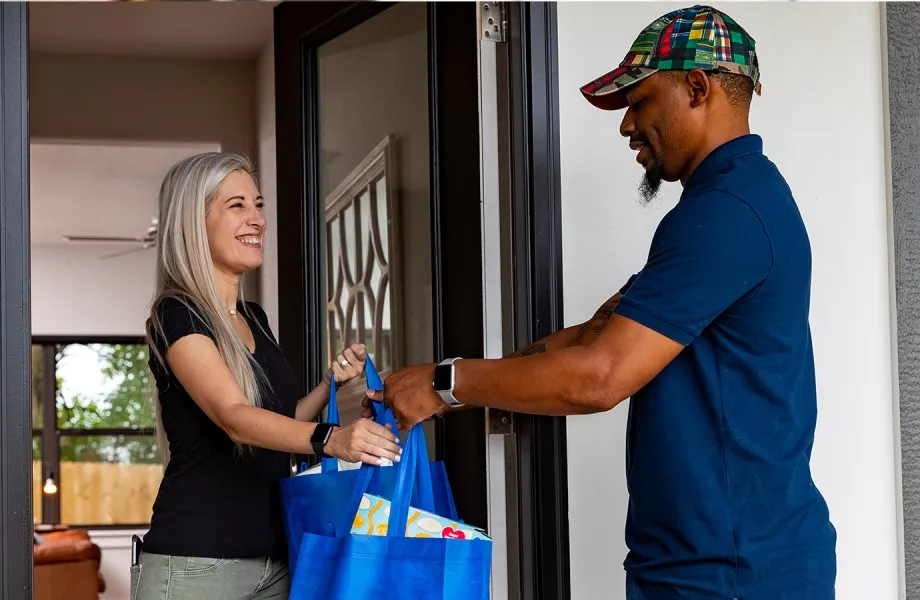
(710, 339)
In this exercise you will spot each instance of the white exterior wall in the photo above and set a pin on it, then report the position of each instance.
(824, 129)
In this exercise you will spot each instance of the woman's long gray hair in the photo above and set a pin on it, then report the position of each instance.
(185, 269)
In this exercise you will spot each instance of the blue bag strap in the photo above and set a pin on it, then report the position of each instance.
(329, 464)
(414, 464)
(423, 484)
(365, 475)
(382, 414)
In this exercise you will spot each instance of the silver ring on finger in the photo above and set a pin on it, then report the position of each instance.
(344, 363)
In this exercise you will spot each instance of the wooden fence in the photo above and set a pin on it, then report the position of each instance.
(101, 493)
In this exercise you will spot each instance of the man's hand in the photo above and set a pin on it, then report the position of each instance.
(410, 394)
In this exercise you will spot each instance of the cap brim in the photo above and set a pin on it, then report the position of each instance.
(608, 92)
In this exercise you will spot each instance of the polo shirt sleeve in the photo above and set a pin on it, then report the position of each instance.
(628, 283)
(707, 253)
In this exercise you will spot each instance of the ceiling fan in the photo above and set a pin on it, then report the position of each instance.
(148, 240)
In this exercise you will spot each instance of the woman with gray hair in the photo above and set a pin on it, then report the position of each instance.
(228, 407)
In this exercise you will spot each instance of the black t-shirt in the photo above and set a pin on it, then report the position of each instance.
(216, 501)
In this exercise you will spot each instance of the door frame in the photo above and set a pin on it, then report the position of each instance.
(542, 459)
(300, 28)
(15, 321)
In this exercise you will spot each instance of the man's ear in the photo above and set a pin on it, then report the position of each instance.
(699, 86)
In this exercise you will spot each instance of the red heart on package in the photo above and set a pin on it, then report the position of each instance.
(453, 534)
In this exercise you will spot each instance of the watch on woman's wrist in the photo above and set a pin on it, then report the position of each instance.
(322, 433)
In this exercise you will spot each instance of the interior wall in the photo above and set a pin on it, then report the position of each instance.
(116, 560)
(145, 100)
(75, 293)
(606, 235)
(268, 274)
(99, 188)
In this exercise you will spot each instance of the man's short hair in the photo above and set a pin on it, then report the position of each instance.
(738, 88)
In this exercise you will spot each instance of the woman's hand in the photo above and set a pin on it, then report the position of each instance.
(364, 441)
(349, 364)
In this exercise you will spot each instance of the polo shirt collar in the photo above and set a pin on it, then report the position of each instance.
(715, 163)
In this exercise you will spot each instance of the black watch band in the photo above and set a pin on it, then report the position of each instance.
(320, 438)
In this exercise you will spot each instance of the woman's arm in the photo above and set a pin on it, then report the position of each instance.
(309, 407)
(196, 362)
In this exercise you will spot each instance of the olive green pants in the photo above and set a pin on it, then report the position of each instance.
(159, 577)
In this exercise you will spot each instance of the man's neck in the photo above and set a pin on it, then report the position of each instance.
(715, 140)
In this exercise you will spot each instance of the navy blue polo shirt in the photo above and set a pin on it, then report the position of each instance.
(722, 502)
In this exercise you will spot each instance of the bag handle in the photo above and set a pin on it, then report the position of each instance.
(382, 413)
(412, 469)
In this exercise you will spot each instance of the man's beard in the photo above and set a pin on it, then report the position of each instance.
(651, 181)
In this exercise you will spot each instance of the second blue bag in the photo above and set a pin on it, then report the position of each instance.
(312, 503)
(390, 565)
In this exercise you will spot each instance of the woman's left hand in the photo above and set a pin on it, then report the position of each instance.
(349, 364)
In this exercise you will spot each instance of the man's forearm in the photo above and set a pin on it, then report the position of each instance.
(561, 373)
(567, 381)
(556, 341)
(577, 335)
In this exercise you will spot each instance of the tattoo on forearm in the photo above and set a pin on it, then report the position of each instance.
(585, 333)
(538, 348)
(599, 320)
(603, 314)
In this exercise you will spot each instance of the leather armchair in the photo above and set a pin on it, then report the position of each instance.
(66, 566)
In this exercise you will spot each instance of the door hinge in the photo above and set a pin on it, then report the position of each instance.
(493, 21)
(499, 422)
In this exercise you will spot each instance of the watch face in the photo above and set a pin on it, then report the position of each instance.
(442, 377)
(321, 434)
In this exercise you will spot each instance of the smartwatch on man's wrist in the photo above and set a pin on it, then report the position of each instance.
(444, 380)
(321, 435)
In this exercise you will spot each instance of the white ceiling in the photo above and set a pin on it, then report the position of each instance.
(151, 29)
(98, 189)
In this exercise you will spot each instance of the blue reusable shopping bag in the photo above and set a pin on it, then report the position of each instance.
(392, 567)
(313, 503)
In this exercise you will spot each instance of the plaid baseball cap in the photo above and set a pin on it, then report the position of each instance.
(700, 37)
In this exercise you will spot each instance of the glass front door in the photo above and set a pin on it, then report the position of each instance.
(372, 90)
(379, 217)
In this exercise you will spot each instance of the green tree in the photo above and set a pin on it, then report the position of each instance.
(128, 405)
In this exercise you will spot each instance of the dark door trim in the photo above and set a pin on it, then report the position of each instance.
(15, 322)
(899, 23)
(456, 225)
(537, 234)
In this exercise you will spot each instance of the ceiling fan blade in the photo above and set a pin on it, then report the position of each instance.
(123, 252)
(90, 238)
